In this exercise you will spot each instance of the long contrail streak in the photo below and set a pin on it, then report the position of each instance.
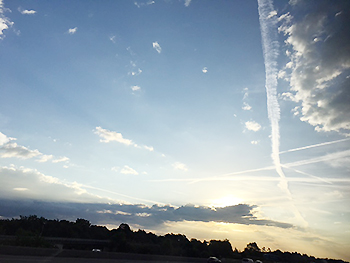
(268, 21)
(268, 26)
(314, 145)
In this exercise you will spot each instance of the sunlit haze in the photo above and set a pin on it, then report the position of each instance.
(210, 118)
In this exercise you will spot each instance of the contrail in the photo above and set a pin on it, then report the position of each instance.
(310, 175)
(268, 21)
(268, 26)
(233, 176)
(314, 145)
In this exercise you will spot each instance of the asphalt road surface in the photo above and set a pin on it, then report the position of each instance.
(32, 259)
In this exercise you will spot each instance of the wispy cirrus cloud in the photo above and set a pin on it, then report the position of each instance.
(61, 159)
(157, 47)
(246, 106)
(112, 136)
(139, 5)
(187, 3)
(149, 148)
(136, 72)
(44, 158)
(128, 170)
(180, 166)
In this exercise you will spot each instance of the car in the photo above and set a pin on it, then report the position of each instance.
(96, 250)
(258, 261)
(247, 260)
(213, 260)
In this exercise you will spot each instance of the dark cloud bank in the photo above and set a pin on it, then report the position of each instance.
(141, 215)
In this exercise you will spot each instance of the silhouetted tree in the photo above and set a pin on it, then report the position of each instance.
(220, 248)
(32, 230)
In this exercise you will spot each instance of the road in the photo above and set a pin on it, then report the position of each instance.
(33, 259)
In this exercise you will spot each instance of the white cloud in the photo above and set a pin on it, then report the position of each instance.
(180, 166)
(319, 68)
(26, 12)
(252, 126)
(135, 88)
(246, 106)
(205, 70)
(281, 74)
(149, 148)
(288, 96)
(272, 14)
(115, 169)
(11, 150)
(5, 22)
(109, 136)
(44, 158)
(157, 47)
(61, 159)
(137, 72)
(144, 4)
(4, 139)
(72, 31)
(112, 38)
(128, 170)
(35, 185)
(246, 93)
(187, 2)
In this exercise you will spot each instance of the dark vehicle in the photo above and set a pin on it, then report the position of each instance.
(247, 260)
(213, 260)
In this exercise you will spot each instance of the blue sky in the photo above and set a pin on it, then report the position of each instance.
(155, 112)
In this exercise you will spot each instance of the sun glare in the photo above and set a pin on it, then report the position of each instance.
(224, 201)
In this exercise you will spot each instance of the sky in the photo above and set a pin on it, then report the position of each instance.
(213, 119)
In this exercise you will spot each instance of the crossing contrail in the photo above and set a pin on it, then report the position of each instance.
(268, 26)
(314, 145)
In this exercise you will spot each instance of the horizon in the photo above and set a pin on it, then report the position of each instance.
(214, 119)
(124, 226)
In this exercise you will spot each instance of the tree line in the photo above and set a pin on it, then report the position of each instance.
(34, 231)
